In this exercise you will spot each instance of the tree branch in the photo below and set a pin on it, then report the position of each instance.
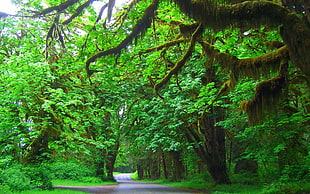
(181, 62)
(165, 45)
(295, 30)
(140, 27)
(57, 8)
(248, 13)
(249, 67)
(78, 11)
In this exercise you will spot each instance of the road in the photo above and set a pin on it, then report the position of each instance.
(127, 186)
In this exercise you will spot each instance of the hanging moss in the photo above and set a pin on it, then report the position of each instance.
(296, 35)
(250, 67)
(295, 31)
(256, 66)
(220, 16)
(268, 92)
(267, 95)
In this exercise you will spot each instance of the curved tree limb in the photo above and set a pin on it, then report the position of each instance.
(57, 8)
(220, 16)
(165, 45)
(268, 92)
(267, 95)
(78, 11)
(249, 67)
(110, 9)
(295, 31)
(120, 19)
(181, 62)
(140, 27)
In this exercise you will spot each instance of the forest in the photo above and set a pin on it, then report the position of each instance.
(216, 92)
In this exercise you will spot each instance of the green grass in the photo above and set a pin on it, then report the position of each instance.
(134, 176)
(206, 186)
(55, 191)
(83, 184)
(66, 183)
(236, 188)
(116, 173)
(194, 185)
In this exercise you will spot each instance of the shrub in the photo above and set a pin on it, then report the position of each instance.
(287, 188)
(245, 178)
(15, 179)
(90, 179)
(293, 173)
(40, 176)
(70, 170)
(4, 188)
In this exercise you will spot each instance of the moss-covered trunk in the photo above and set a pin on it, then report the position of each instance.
(210, 145)
(111, 158)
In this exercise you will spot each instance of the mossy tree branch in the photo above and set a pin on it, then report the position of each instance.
(267, 95)
(139, 28)
(165, 45)
(78, 11)
(121, 18)
(177, 67)
(57, 8)
(220, 16)
(268, 92)
(295, 30)
(250, 67)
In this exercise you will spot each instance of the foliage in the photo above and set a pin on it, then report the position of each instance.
(4, 188)
(236, 188)
(72, 171)
(40, 176)
(290, 187)
(16, 179)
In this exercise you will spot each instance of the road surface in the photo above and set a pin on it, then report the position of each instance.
(126, 186)
(129, 186)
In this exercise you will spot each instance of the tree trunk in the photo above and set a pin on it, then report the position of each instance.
(100, 164)
(111, 158)
(210, 145)
(178, 169)
(140, 171)
(164, 165)
(39, 150)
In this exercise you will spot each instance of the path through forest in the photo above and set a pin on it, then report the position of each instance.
(127, 186)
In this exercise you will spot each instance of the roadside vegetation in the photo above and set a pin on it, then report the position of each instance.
(41, 179)
(241, 184)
